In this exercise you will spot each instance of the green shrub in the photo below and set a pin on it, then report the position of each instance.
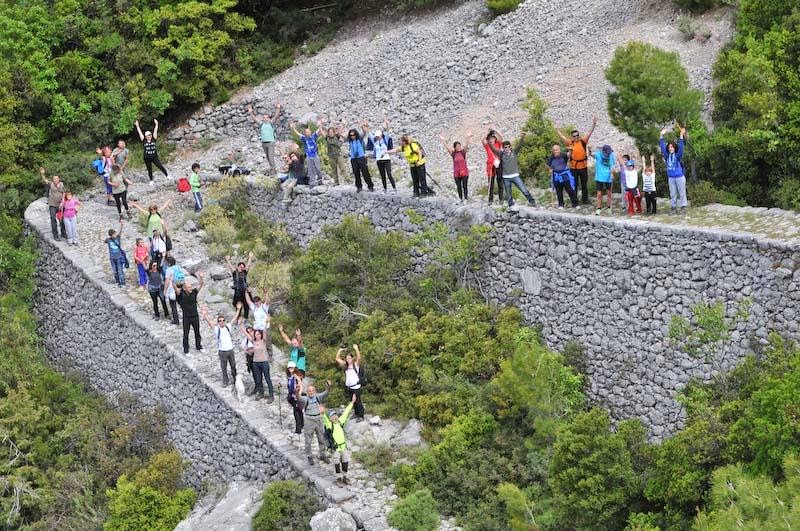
(500, 7)
(152, 499)
(538, 143)
(286, 506)
(704, 193)
(415, 512)
(651, 88)
(787, 194)
(698, 6)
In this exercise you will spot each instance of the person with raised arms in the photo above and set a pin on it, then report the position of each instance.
(510, 163)
(151, 150)
(266, 131)
(55, 194)
(577, 146)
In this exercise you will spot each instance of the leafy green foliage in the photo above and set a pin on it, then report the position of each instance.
(500, 7)
(287, 506)
(708, 329)
(593, 478)
(152, 499)
(698, 6)
(740, 501)
(651, 89)
(538, 142)
(415, 512)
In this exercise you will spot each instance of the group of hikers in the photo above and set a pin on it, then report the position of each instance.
(569, 167)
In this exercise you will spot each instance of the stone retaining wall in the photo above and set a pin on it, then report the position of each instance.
(86, 327)
(611, 284)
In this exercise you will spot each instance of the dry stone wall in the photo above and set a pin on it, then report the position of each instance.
(613, 285)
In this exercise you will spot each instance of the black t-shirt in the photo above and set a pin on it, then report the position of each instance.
(150, 148)
(188, 302)
(240, 280)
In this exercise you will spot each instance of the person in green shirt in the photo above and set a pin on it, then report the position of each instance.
(266, 130)
(334, 423)
(194, 182)
(154, 219)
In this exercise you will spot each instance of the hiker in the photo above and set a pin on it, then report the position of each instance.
(649, 185)
(298, 352)
(55, 194)
(187, 299)
(260, 308)
(604, 162)
(249, 351)
(562, 177)
(415, 156)
(194, 182)
(493, 170)
(141, 254)
(312, 419)
(150, 150)
(262, 356)
(224, 335)
(116, 255)
(121, 155)
(173, 280)
(379, 143)
(155, 286)
(297, 175)
(107, 166)
(508, 159)
(99, 166)
(621, 169)
(69, 211)
(579, 158)
(358, 160)
(673, 158)
(311, 148)
(333, 141)
(294, 383)
(158, 249)
(353, 377)
(119, 189)
(632, 195)
(266, 130)
(239, 282)
(460, 170)
(154, 219)
(335, 423)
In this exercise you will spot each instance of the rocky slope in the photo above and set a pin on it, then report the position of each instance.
(450, 72)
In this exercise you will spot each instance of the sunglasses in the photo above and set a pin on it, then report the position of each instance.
(576, 136)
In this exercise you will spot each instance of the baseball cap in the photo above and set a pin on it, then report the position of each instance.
(377, 132)
(630, 164)
(291, 365)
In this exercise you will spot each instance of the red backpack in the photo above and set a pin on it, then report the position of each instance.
(183, 185)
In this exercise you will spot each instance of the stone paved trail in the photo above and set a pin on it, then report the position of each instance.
(370, 496)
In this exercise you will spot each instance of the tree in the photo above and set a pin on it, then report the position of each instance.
(651, 89)
(539, 139)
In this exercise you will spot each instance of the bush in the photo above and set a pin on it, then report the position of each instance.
(704, 193)
(286, 506)
(416, 512)
(651, 88)
(698, 6)
(500, 7)
(153, 499)
(691, 29)
(538, 142)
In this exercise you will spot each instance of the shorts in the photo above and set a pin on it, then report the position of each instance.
(602, 186)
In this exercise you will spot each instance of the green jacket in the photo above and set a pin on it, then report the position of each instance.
(337, 428)
(194, 181)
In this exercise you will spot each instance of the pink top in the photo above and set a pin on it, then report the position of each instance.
(140, 254)
(460, 164)
(70, 207)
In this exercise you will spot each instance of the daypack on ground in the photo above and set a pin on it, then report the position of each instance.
(183, 185)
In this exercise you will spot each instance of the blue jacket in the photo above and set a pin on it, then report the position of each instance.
(673, 160)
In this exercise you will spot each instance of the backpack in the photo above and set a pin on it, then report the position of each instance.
(329, 442)
(178, 274)
(183, 185)
(419, 151)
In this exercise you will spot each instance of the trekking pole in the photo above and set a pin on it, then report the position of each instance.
(432, 179)
(280, 409)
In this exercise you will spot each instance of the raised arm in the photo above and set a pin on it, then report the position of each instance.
(252, 113)
(561, 135)
(202, 277)
(228, 264)
(468, 141)
(520, 142)
(138, 207)
(299, 337)
(165, 206)
(206, 318)
(250, 256)
(292, 125)
(139, 130)
(284, 336)
(491, 147)
(653, 164)
(320, 127)
(339, 360)
(663, 144)
(42, 174)
(444, 143)
(589, 134)
(365, 128)
(155, 129)
(277, 109)
(358, 354)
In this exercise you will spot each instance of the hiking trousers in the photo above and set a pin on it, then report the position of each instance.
(314, 170)
(338, 167)
(650, 202)
(191, 322)
(226, 358)
(419, 180)
(312, 424)
(385, 169)
(360, 170)
(269, 151)
(515, 180)
(149, 161)
(560, 187)
(495, 176)
(55, 224)
(677, 192)
(582, 182)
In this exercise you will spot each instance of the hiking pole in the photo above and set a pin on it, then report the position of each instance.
(280, 409)
(432, 179)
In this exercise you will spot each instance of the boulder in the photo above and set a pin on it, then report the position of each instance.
(333, 519)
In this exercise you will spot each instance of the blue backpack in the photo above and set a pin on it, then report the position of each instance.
(178, 275)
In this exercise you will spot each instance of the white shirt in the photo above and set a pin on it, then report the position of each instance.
(260, 316)
(159, 245)
(224, 339)
(351, 379)
(649, 182)
(631, 179)
(169, 274)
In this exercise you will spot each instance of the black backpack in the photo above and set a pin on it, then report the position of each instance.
(362, 375)
(329, 438)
